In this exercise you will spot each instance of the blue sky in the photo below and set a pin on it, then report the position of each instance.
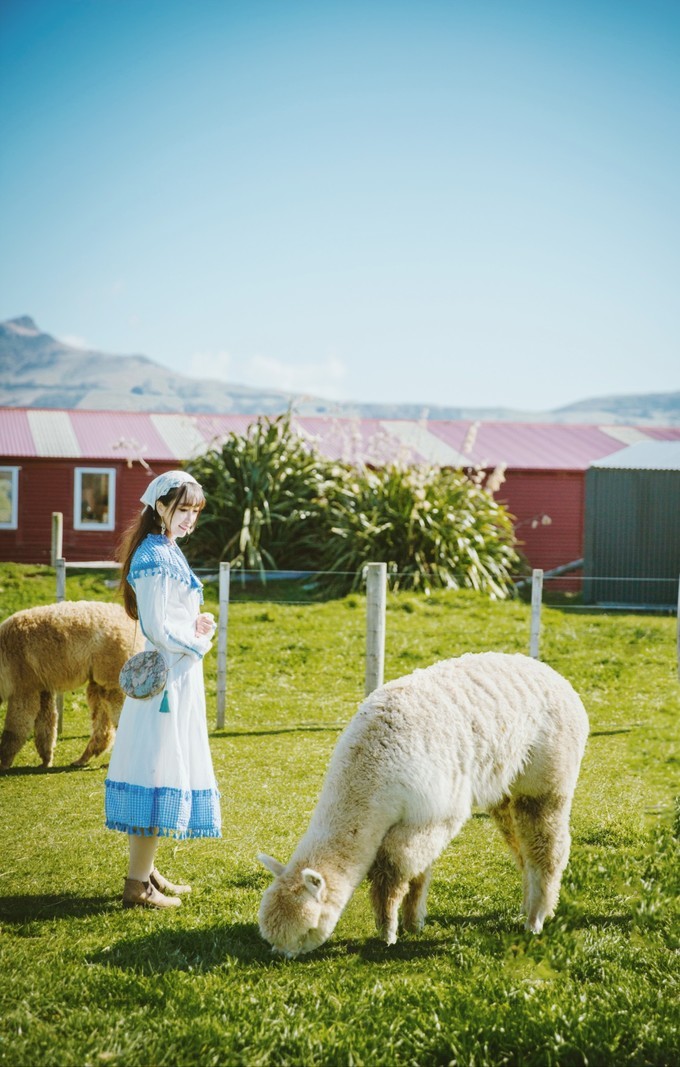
(465, 202)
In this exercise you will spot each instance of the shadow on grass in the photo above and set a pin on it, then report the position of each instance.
(330, 728)
(188, 950)
(208, 948)
(610, 733)
(24, 909)
(494, 934)
(492, 928)
(67, 768)
(563, 922)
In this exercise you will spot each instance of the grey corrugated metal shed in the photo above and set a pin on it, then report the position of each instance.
(644, 455)
(632, 527)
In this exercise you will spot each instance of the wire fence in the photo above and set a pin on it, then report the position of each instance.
(295, 588)
(572, 592)
(364, 632)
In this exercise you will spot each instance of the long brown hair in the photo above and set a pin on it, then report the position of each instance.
(147, 523)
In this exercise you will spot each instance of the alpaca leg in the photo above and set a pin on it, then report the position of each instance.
(46, 724)
(116, 699)
(504, 819)
(103, 703)
(405, 857)
(414, 908)
(22, 712)
(388, 889)
(542, 826)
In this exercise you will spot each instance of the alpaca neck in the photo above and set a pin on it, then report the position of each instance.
(342, 849)
(354, 812)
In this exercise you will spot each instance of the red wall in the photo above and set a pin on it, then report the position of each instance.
(47, 485)
(531, 494)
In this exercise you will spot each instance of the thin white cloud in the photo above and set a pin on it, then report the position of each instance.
(324, 379)
(74, 341)
(320, 379)
(211, 365)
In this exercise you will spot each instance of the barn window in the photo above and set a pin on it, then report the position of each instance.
(9, 497)
(95, 498)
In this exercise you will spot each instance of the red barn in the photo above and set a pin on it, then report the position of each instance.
(92, 466)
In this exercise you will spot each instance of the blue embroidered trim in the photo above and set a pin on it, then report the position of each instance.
(157, 555)
(167, 812)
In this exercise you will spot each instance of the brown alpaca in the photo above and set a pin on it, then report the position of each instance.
(54, 649)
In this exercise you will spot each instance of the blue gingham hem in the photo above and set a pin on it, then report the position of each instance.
(162, 811)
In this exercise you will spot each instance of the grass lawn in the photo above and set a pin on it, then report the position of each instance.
(85, 982)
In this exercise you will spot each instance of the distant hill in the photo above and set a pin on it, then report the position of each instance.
(37, 370)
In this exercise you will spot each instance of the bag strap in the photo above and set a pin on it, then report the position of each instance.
(163, 655)
(134, 639)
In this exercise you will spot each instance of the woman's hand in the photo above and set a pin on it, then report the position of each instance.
(205, 624)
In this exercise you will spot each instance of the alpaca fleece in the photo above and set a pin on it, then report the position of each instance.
(499, 732)
(54, 649)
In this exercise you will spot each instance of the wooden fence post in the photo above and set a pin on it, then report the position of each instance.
(61, 595)
(222, 644)
(376, 598)
(57, 537)
(536, 597)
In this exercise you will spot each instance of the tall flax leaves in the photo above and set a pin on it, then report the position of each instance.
(264, 493)
(435, 528)
(275, 503)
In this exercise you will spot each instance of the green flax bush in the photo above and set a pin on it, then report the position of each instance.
(275, 503)
(436, 528)
(264, 492)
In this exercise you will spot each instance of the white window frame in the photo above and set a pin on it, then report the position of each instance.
(78, 523)
(13, 523)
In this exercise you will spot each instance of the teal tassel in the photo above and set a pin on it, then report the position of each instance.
(165, 703)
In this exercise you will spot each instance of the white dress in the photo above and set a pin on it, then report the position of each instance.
(160, 778)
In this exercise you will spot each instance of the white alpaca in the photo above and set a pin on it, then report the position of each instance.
(500, 732)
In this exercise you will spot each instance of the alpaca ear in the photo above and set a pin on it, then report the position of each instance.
(314, 882)
(271, 864)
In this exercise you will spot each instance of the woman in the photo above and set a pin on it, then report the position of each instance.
(160, 781)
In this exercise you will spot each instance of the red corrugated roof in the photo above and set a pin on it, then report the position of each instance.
(118, 435)
(663, 433)
(16, 438)
(107, 435)
(530, 446)
(212, 426)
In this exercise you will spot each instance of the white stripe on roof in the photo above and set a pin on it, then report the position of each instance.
(181, 435)
(432, 449)
(629, 435)
(53, 433)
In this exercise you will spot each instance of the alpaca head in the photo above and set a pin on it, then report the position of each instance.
(296, 914)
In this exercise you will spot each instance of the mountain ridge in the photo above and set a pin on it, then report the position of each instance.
(39, 371)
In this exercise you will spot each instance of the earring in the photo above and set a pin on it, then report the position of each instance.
(162, 527)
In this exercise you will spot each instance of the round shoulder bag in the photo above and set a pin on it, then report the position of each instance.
(144, 675)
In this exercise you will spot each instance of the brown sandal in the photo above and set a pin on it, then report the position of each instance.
(145, 894)
(164, 886)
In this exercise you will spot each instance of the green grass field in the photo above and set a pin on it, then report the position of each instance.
(85, 982)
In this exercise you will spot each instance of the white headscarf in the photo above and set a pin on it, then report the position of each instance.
(163, 484)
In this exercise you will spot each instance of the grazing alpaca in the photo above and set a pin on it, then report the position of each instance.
(501, 732)
(53, 649)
